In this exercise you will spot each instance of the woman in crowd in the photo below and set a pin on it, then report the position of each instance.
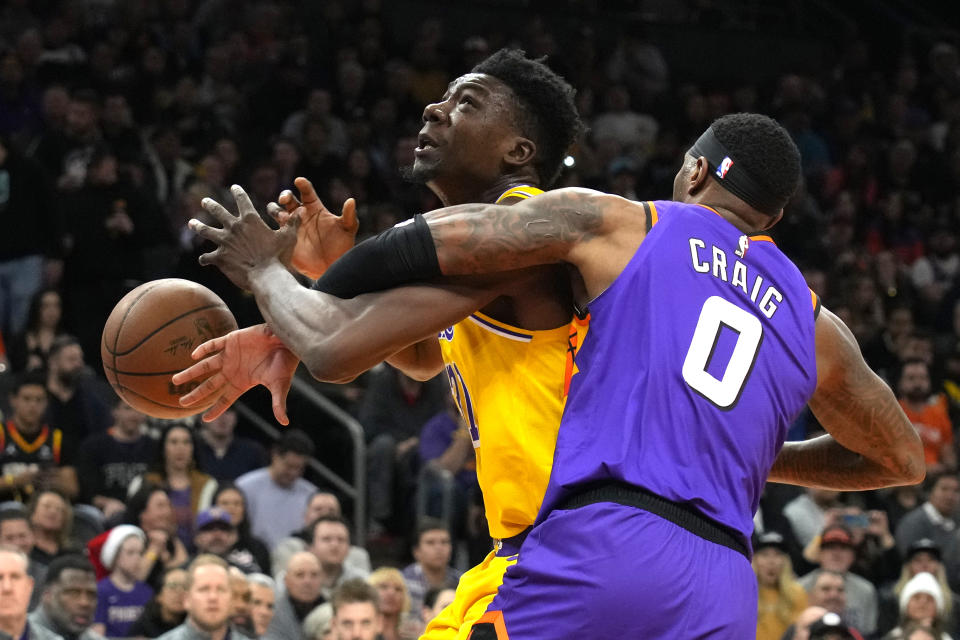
(189, 490)
(51, 519)
(166, 610)
(923, 555)
(781, 598)
(231, 499)
(921, 603)
(150, 509)
(28, 351)
(394, 605)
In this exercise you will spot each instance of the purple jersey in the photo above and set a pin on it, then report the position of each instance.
(697, 359)
(118, 609)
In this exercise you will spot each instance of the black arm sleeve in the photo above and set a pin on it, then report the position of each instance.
(400, 255)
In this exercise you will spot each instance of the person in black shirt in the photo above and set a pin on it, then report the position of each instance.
(109, 461)
(222, 454)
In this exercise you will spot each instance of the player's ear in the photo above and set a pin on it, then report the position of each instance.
(698, 176)
(521, 153)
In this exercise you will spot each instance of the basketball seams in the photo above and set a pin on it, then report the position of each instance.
(116, 338)
(160, 328)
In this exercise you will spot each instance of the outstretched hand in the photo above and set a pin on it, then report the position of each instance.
(322, 236)
(244, 243)
(236, 362)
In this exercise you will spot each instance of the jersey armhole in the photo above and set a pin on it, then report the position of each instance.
(650, 210)
(815, 299)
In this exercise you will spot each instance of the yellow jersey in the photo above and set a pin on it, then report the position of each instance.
(509, 384)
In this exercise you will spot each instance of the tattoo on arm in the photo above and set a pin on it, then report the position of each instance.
(483, 238)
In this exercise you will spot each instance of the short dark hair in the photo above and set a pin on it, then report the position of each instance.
(355, 590)
(60, 343)
(294, 441)
(428, 524)
(933, 478)
(14, 513)
(28, 379)
(64, 563)
(430, 597)
(547, 113)
(764, 149)
(336, 519)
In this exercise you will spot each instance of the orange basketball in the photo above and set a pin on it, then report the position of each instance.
(149, 337)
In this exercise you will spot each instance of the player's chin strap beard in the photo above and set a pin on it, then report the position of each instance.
(732, 176)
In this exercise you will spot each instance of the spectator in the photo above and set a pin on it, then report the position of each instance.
(216, 534)
(837, 554)
(27, 239)
(446, 449)
(782, 598)
(166, 610)
(393, 411)
(15, 588)
(807, 513)
(929, 415)
(356, 612)
(222, 454)
(69, 599)
(922, 556)
(51, 518)
(394, 605)
(15, 533)
(277, 495)
(30, 350)
(231, 499)
(331, 543)
(318, 625)
(921, 602)
(300, 594)
(175, 469)
(240, 620)
(262, 601)
(431, 567)
(32, 454)
(74, 407)
(121, 596)
(832, 627)
(207, 602)
(109, 462)
(435, 601)
(150, 509)
(322, 504)
(935, 518)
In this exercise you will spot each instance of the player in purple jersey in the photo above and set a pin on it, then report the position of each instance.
(704, 344)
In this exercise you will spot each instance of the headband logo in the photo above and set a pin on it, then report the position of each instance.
(724, 167)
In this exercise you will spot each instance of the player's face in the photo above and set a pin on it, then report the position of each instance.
(29, 404)
(680, 180)
(357, 621)
(467, 133)
(208, 600)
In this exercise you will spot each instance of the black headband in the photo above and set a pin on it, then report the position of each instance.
(732, 176)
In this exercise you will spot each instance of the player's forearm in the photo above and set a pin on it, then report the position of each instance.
(339, 339)
(823, 463)
(420, 361)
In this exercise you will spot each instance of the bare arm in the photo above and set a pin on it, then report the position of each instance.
(339, 339)
(420, 361)
(871, 442)
(596, 232)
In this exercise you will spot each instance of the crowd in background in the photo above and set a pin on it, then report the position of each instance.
(117, 118)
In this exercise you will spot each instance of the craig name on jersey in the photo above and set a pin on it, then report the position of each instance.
(718, 263)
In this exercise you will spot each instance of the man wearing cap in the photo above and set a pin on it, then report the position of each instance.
(837, 553)
(216, 534)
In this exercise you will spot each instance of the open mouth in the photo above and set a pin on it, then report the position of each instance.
(425, 142)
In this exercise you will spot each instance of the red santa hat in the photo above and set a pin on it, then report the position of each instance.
(103, 549)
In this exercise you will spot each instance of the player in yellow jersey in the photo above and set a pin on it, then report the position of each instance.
(498, 133)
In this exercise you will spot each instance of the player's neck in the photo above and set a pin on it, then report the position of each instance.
(463, 192)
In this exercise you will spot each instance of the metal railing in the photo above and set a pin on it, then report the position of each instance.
(355, 491)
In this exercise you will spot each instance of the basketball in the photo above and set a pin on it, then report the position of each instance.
(149, 337)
